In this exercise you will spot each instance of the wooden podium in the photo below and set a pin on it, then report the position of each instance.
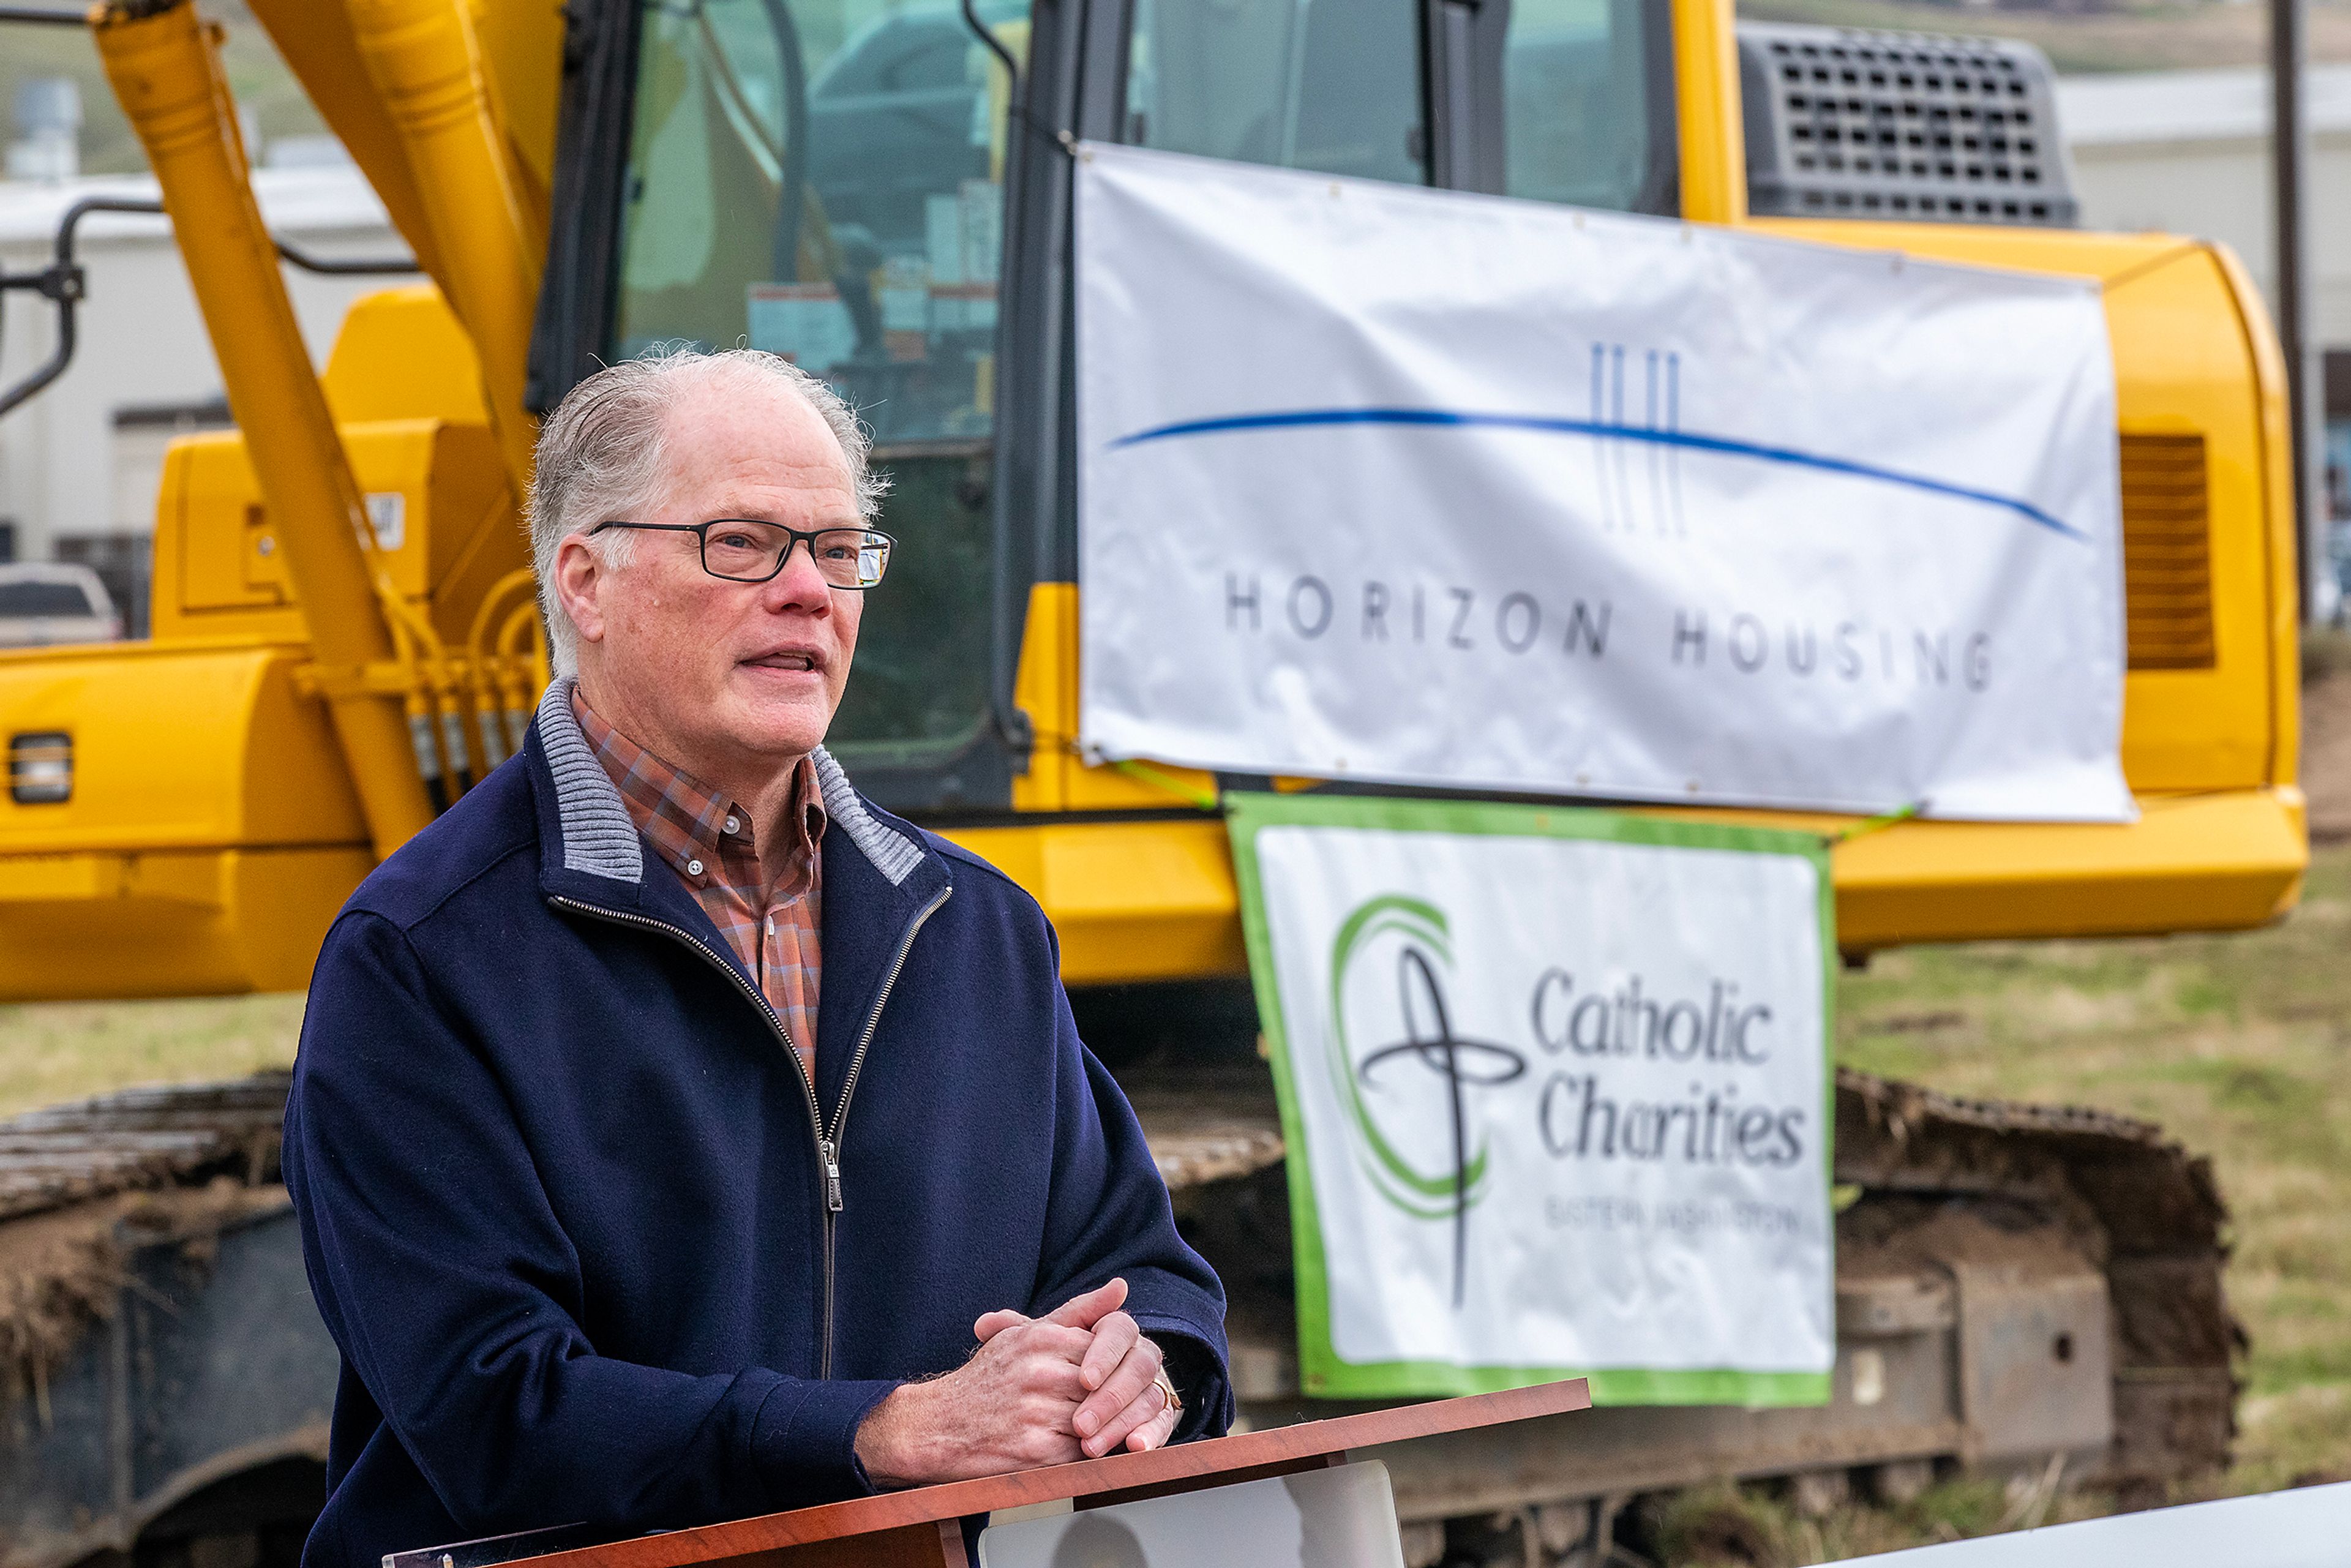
(922, 1528)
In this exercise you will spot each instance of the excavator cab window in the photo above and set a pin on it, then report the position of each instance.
(824, 178)
(1334, 85)
(1552, 100)
(1587, 105)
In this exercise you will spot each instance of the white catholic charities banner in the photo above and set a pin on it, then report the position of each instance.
(1436, 488)
(1555, 1091)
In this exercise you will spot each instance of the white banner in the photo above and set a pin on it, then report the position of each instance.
(1555, 1092)
(1433, 488)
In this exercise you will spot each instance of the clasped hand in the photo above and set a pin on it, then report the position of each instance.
(1075, 1383)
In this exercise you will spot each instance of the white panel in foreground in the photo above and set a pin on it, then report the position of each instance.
(2308, 1527)
(1341, 1518)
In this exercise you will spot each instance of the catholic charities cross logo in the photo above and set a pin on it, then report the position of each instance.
(1417, 1031)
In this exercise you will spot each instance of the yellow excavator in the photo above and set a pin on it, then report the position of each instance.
(345, 640)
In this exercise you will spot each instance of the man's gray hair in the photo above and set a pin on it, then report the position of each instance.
(600, 456)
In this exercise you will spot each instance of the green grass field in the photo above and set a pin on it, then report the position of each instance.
(2237, 1044)
(68, 1050)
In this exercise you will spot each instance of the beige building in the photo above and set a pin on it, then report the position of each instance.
(80, 463)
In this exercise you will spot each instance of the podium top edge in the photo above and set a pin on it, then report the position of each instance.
(1243, 1452)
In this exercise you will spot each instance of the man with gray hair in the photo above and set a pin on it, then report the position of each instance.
(675, 1134)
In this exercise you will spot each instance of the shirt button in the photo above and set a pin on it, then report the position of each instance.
(733, 823)
(693, 868)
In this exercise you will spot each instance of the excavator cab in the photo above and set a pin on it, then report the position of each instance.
(846, 183)
(883, 193)
(825, 179)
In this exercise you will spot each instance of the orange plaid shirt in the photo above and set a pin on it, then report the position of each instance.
(771, 922)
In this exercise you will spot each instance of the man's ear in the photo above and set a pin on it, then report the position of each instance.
(581, 579)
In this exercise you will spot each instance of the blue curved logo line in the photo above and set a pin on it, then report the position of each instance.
(1676, 439)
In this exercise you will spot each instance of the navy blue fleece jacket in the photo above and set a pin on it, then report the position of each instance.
(561, 1186)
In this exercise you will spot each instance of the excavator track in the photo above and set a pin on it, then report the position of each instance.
(145, 1237)
(165, 1380)
(82, 1184)
(140, 1140)
(2018, 1257)
(2141, 1207)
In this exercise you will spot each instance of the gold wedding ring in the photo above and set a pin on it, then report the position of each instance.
(1166, 1386)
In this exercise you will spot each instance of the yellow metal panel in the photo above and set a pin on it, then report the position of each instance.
(1132, 901)
(189, 877)
(1045, 687)
(400, 354)
(2284, 527)
(198, 923)
(1713, 136)
(473, 534)
(177, 747)
(2196, 863)
(210, 528)
(219, 556)
(61, 879)
(211, 835)
(2183, 361)
(1156, 900)
(281, 902)
(522, 55)
(398, 461)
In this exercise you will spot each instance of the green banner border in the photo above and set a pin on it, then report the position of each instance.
(1320, 1372)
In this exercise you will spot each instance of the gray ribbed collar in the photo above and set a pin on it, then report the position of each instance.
(599, 837)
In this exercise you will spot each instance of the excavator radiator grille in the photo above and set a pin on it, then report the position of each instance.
(2167, 552)
(1853, 122)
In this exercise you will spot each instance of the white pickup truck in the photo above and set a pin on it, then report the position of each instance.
(44, 602)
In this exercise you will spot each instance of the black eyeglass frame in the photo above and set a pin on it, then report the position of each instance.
(798, 536)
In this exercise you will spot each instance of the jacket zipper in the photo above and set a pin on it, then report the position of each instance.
(830, 1149)
(828, 1146)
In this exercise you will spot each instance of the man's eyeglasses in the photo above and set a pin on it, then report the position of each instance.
(743, 549)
